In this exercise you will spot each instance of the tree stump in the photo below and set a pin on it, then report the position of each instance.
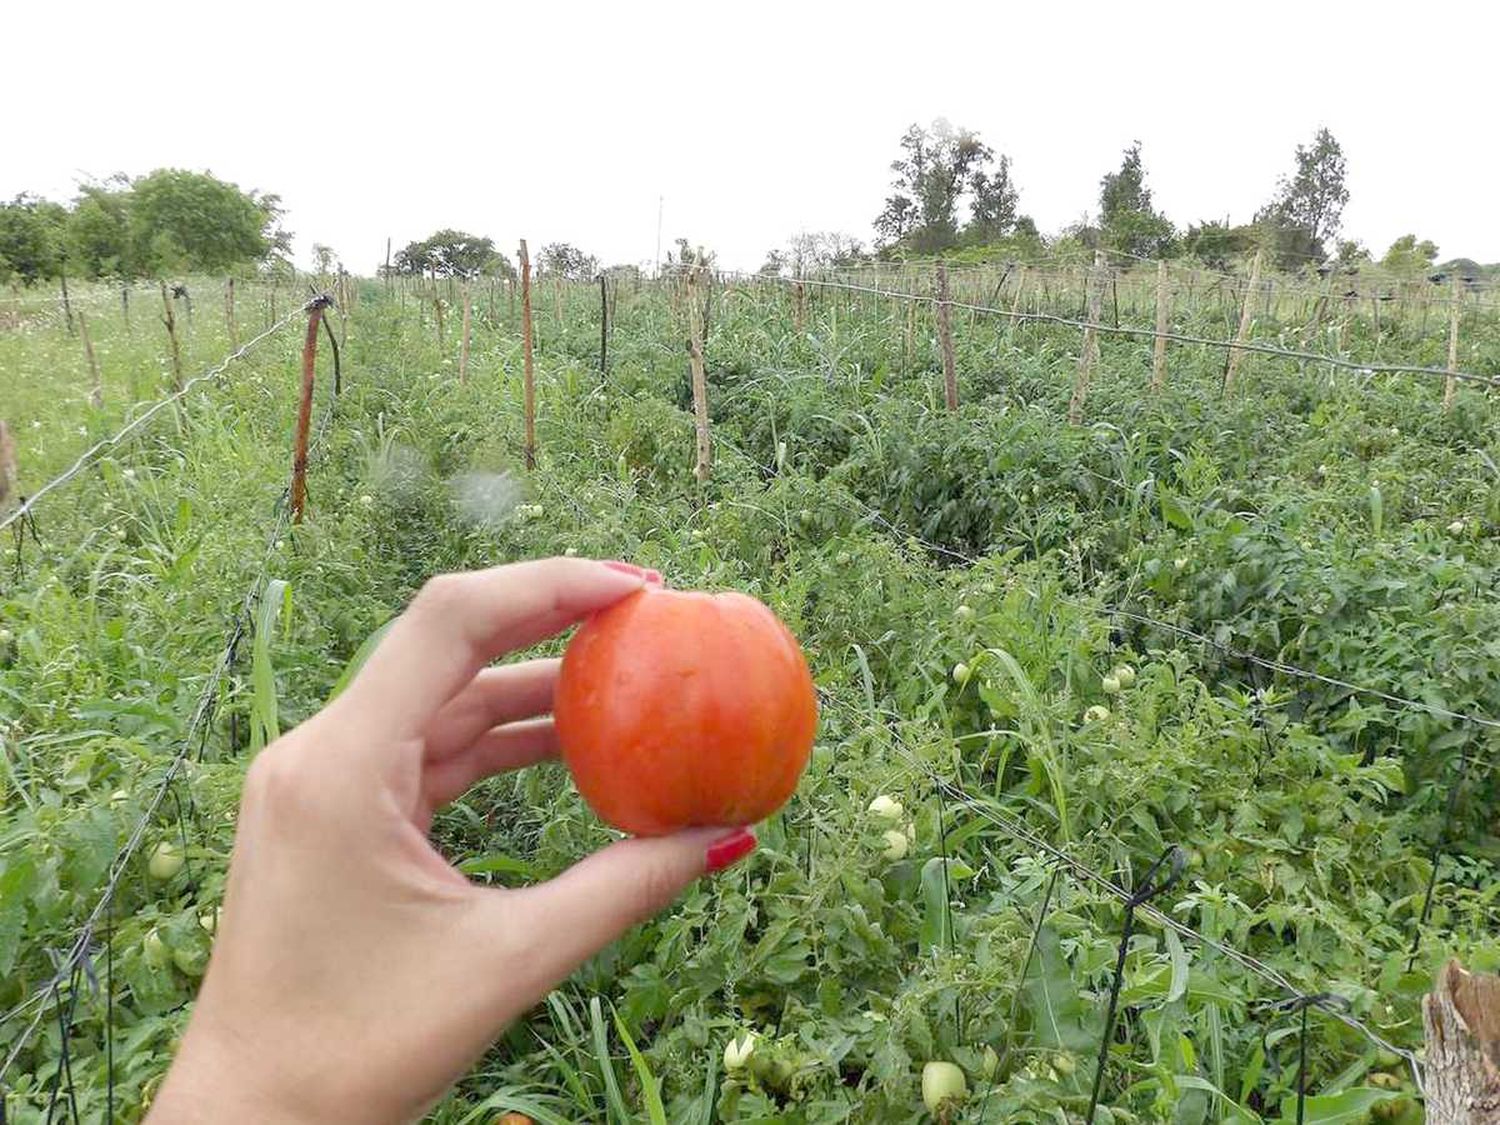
(1462, 1020)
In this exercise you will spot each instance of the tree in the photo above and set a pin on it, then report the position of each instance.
(562, 259)
(1309, 205)
(183, 220)
(992, 211)
(823, 249)
(1410, 257)
(32, 245)
(774, 265)
(921, 212)
(1127, 219)
(452, 253)
(98, 231)
(325, 257)
(1216, 244)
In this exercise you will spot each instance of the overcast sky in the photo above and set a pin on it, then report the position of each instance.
(569, 121)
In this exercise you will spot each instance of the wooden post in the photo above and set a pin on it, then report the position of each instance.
(388, 280)
(1461, 1017)
(529, 385)
(1159, 355)
(125, 303)
(704, 463)
(603, 326)
(1247, 315)
(304, 411)
(169, 318)
(799, 308)
(1088, 354)
(1015, 307)
(1455, 308)
(463, 347)
(911, 334)
(437, 310)
(945, 339)
(96, 391)
(557, 316)
(9, 489)
(229, 322)
(62, 275)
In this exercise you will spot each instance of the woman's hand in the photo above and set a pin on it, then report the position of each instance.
(356, 974)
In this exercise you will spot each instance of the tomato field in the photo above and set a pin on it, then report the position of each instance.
(1161, 736)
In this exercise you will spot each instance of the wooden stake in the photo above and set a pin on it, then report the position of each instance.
(1455, 308)
(704, 462)
(96, 392)
(463, 347)
(169, 318)
(945, 339)
(388, 280)
(557, 302)
(1461, 1017)
(437, 310)
(603, 326)
(1088, 354)
(229, 322)
(799, 308)
(1247, 315)
(304, 412)
(9, 476)
(1159, 355)
(529, 385)
(1015, 307)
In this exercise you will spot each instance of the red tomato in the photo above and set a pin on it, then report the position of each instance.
(679, 709)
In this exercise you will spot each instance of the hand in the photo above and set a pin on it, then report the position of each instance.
(356, 974)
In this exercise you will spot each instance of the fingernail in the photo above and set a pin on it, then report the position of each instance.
(654, 578)
(632, 570)
(730, 849)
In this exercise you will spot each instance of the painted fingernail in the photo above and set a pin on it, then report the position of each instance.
(654, 578)
(730, 849)
(632, 570)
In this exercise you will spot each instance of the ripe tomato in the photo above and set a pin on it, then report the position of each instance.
(678, 709)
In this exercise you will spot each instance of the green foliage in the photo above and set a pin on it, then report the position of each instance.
(31, 239)
(938, 166)
(1129, 221)
(1409, 258)
(1309, 204)
(561, 259)
(453, 253)
(182, 221)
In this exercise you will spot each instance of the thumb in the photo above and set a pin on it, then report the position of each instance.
(575, 915)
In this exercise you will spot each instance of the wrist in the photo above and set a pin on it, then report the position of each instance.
(214, 1080)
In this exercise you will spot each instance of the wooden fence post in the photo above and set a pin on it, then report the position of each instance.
(603, 326)
(799, 308)
(96, 388)
(1015, 307)
(304, 410)
(1461, 1017)
(529, 376)
(1247, 315)
(557, 315)
(67, 304)
(9, 476)
(463, 347)
(1088, 354)
(1455, 308)
(1159, 355)
(437, 310)
(169, 318)
(229, 322)
(389, 281)
(945, 339)
(703, 464)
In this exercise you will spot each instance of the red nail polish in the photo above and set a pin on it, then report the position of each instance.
(631, 569)
(653, 578)
(730, 849)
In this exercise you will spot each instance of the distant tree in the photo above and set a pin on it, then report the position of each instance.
(824, 249)
(450, 253)
(1217, 244)
(1127, 219)
(32, 243)
(1350, 252)
(561, 259)
(687, 256)
(98, 231)
(774, 265)
(992, 210)
(938, 164)
(183, 220)
(325, 258)
(1309, 204)
(1409, 257)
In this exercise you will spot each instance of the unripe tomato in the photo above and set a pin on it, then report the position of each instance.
(676, 709)
(943, 1087)
(166, 861)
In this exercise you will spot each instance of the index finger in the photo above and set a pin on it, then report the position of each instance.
(458, 623)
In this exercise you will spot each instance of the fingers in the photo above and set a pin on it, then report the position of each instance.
(461, 622)
(594, 902)
(494, 697)
(504, 748)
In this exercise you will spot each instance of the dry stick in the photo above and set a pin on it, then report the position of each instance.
(169, 318)
(1088, 354)
(304, 410)
(603, 326)
(704, 463)
(1247, 315)
(463, 347)
(389, 281)
(945, 339)
(1159, 355)
(229, 321)
(800, 307)
(557, 316)
(1015, 306)
(67, 305)
(96, 392)
(529, 377)
(437, 309)
(1450, 384)
(1461, 1017)
(8, 474)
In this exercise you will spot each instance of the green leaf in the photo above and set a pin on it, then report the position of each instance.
(1180, 965)
(650, 1084)
(498, 863)
(606, 1062)
(357, 661)
(1329, 1109)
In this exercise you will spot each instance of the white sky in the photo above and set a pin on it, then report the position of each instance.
(567, 121)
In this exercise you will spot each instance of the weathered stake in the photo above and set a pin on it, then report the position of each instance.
(703, 465)
(1159, 355)
(529, 376)
(304, 410)
(169, 318)
(1088, 354)
(463, 347)
(1455, 309)
(8, 473)
(229, 322)
(96, 387)
(603, 326)
(945, 339)
(67, 304)
(1461, 1017)
(1247, 315)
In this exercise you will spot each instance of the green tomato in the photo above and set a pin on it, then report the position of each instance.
(964, 613)
(155, 951)
(943, 1086)
(896, 845)
(1111, 685)
(166, 861)
(1126, 675)
(960, 673)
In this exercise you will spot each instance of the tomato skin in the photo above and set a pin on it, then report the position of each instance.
(680, 709)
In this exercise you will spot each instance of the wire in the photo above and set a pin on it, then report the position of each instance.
(87, 458)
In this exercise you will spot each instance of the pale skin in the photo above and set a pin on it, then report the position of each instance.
(356, 974)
